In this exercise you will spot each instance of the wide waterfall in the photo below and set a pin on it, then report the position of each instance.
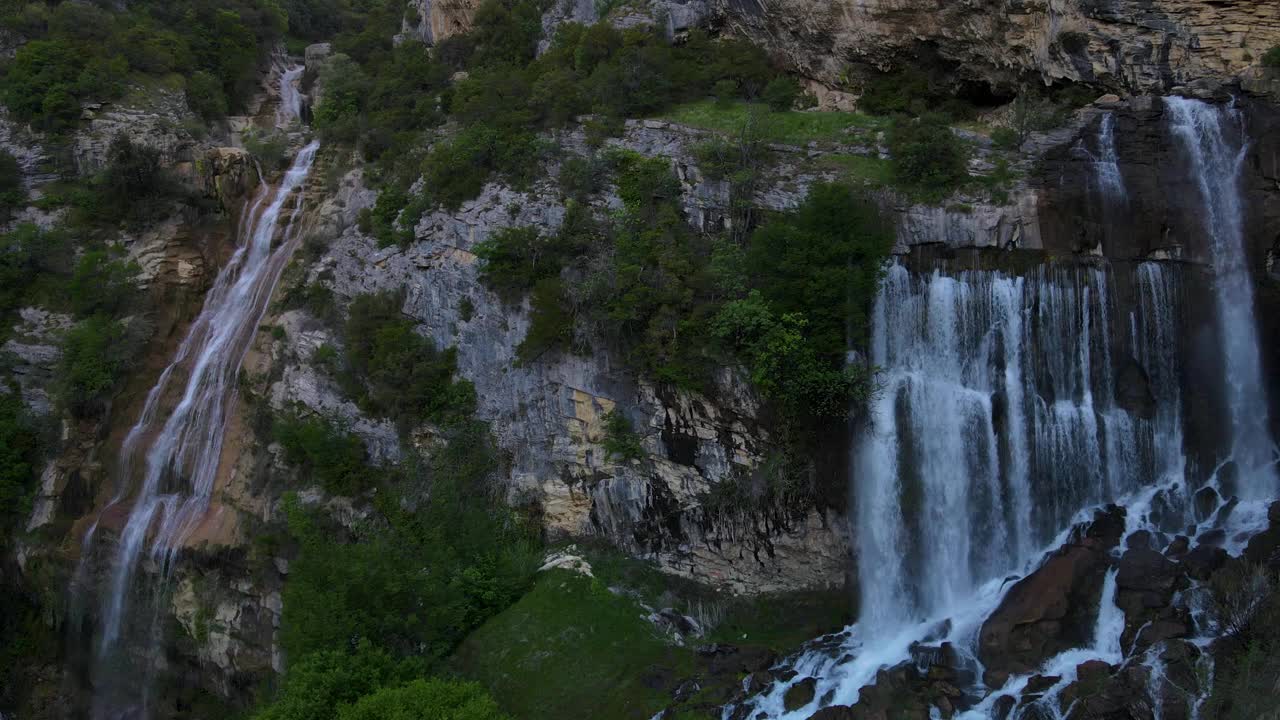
(1213, 140)
(169, 459)
(996, 423)
(1009, 406)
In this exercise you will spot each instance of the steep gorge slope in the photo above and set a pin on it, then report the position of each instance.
(550, 414)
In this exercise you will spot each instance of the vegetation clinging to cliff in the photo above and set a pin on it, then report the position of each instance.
(79, 52)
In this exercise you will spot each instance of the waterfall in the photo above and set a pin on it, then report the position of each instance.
(170, 457)
(1107, 164)
(290, 96)
(995, 424)
(1213, 140)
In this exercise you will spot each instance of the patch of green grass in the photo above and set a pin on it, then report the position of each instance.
(571, 648)
(792, 126)
(860, 169)
(783, 621)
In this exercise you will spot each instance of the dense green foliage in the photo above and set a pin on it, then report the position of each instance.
(1272, 57)
(788, 303)
(425, 700)
(621, 441)
(417, 581)
(334, 457)
(926, 153)
(19, 448)
(385, 100)
(397, 373)
(84, 51)
(97, 354)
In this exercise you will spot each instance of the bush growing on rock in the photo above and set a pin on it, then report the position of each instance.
(927, 155)
(397, 373)
(97, 354)
(781, 93)
(1271, 58)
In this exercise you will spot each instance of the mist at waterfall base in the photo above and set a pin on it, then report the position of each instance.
(170, 457)
(996, 429)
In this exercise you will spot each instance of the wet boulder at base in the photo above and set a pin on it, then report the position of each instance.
(1052, 609)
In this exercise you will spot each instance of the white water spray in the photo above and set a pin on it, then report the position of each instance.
(1213, 140)
(170, 457)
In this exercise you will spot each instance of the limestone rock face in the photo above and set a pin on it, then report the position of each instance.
(549, 414)
(1139, 45)
(430, 21)
(227, 174)
(34, 350)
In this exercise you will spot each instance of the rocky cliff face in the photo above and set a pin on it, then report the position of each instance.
(1136, 45)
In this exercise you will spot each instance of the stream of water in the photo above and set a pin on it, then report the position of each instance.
(169, 459)
(997, 426)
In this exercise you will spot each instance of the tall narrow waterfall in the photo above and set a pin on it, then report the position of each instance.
(1213, 139)
(169, 460)
(1107, 162)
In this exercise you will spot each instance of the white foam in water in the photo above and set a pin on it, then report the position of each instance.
(994, 389)
(290, 96)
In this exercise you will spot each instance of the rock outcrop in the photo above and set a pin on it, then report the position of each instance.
(1135, 45)
(1052, 609)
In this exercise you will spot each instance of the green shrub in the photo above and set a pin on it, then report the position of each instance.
(13, 192)
(270, 148)
(33, 263)
(781, 93)
(19, 452)
(132, 188)
(97, 353)
(102, 284)
(426, 700)
(320, 683)
(338, 114)
(904, 91)
(397, 373)
(1271, 58)
(434, 563)
(456, 171)
(38, 83)
(1005, 138)
(331, 455)
(620, 439)
(927, 155)
(550, 321)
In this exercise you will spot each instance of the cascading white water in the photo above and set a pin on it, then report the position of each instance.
(998, 421)
(1213, 140)
(1107, 162)
(290, 96)
(185, 445)
(995, 425)
(169, 459)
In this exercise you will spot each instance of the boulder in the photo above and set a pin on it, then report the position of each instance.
(837, 712)
(800, 694)
(1054, 608)
(1002, 707)
(1179, 547)
(1203, 561)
